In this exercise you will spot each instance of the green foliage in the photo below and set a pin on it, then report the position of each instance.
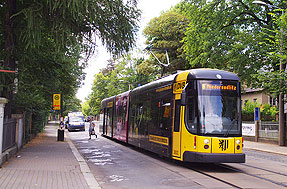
(52, 41)
(72, 105)
(43, 73)
(86, 109)
(112, 21)
(222, 35)
(99, 92)
(163, 33)
(271, 77)
(119, 76)
(267, 111)
(237, 36)
(274, 82)
(249, 107)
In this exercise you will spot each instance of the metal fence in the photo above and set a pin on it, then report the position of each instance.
(9, 134)
(267, 129)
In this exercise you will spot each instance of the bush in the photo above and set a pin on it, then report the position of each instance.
(267, 112)
(249, 107)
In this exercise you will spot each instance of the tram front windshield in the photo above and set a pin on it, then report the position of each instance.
(218, 108)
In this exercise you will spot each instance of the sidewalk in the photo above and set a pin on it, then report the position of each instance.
(264, 147)
(47, 163)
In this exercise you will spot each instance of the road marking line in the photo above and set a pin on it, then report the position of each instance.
(88, 175)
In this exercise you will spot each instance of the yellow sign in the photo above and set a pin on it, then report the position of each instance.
(166, 111)
(56, 101)
(178, 87)
(163, 88)
(218, 87)
(158, 139)
(110, 104)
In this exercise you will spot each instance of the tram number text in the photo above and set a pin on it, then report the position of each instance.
(178, 87)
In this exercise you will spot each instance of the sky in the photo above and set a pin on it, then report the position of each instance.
(150, 9)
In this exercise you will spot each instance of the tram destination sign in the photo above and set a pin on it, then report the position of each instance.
(218, 87)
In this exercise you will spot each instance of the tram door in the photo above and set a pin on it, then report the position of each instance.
(176, 137)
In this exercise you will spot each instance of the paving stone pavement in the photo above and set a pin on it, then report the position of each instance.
(43, 163)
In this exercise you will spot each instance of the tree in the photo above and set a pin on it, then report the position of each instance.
(229, 35)
(272, 77)
(67, 24)
(99, 92)
(113, 21)
(165, 33)
(49, 42)
(86, 109)
(72, 105)
(120, 75)
(43, 73)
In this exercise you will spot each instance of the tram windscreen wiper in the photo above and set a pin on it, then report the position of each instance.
(230, 127)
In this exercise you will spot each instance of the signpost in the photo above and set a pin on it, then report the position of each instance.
(256, 119)
(56, 101)
(257, 114)
(57, 106)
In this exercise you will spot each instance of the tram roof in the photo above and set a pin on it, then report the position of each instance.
(201, 73)
(106, 100)
(110, 99)
(213, 74)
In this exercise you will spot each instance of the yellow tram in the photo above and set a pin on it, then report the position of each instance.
(192, 116)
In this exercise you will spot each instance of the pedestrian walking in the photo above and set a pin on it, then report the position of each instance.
(92, 128)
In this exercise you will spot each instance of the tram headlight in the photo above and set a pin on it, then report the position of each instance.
(238, 142)
(206, 141)
(238, 147)
(206, 146)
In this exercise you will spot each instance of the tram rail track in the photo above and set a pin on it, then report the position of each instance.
(214, 171)
(215, 178)
(257, 176)
(263, 169)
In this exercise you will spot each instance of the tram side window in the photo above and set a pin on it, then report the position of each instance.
(132, 121)
(140, 119)
(108, 119)
(124, 111)
(154, 114)
(109, 116)
(118, 114)
(165, 114)
(191, 117)
(139, 114)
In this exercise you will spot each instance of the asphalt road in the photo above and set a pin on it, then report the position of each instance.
(115, 165)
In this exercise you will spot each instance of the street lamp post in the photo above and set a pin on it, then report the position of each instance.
(280, 100)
